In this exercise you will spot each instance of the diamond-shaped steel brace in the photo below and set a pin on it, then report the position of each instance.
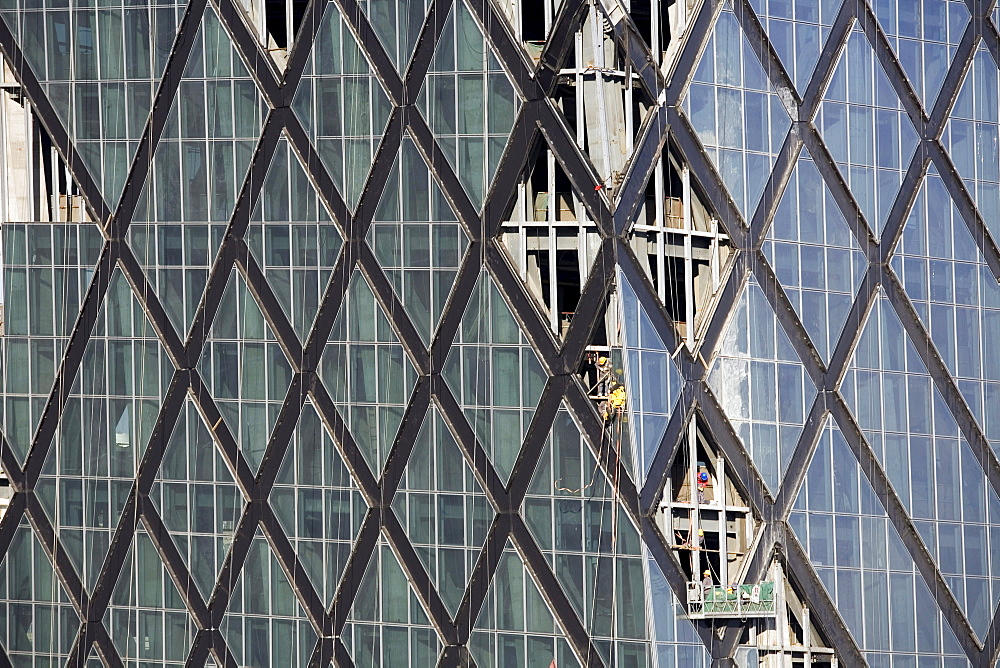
(560, 359)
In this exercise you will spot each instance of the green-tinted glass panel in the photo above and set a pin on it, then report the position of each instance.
(197, 498)
(245, 369)
(293, 238)
(367, 372)
(417, 240)
(317, 503)
(495, 375)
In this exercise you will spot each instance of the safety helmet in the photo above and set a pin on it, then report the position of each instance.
(703, 476)
(701, 532)
(602, 360)
(707, 573)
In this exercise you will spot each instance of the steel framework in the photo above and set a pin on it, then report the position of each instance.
(538, 119)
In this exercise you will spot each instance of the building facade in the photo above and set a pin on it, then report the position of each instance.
(500, 333)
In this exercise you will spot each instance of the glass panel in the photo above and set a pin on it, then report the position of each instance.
(417, 239)
(104, 428)
(342, 105)
(814, 255)
(761, 385)
(367, 372)
(736, 113)
(492, 356)
(462, 74)
(245, 368)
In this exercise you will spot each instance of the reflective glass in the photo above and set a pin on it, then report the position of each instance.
(101, 67)
(761, 384)
(417, 239)
(652, 382)
(367, 372)
(37, 622)
(495, 375)
(342, 105)
(147, 619)
(196, 495)
(245, 369)
(930, 464)
(104, 429)
(387, 624)
(814, 255)
(866, 129)
(318, 503)
(863, 563)
(736, 112)
(515, 626)
(463, 75)
(47, 269)
(293, 238)
(196, 173)
(972, 136)
(443, 509)
(264, 623)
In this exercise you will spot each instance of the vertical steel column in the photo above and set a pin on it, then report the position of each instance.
(688, 262)
(720, 498)
(695, 517)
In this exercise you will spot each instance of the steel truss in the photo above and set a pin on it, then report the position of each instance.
(538, 121)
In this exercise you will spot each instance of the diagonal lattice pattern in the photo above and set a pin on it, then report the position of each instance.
(341, 621)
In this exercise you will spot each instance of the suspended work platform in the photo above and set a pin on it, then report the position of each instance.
(741, 601)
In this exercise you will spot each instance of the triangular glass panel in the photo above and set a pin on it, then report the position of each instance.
(367, 372)
(57, 261)
(761, 384)
(515, 626)
(676, 642)
(443, 509)
(930, 464)
(293, 238)
(417, 239)
(972, 136)
(652, 382)
(866, 129)
(104, 429)
(674, 215)
(397, 23)
(146, 618)
(387, 625)
(736, 112)
(342, 105)
(925, 36)
(550, 239)
(196, 172)
(854, 547)
(495, 375)
(602, 102)
(265, 624)
(702, 513)
(593, 545)
(94, 659)
(90, 54)
(470, 126)
(245, 369)
(40, 624)
(814, 255)
(317, 503)
(798, 33)
(956, 296)
(197, 498)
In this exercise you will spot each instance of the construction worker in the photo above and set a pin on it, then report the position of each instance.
(605, 376)
(706, 581)
(702, 484)
(614, 405)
